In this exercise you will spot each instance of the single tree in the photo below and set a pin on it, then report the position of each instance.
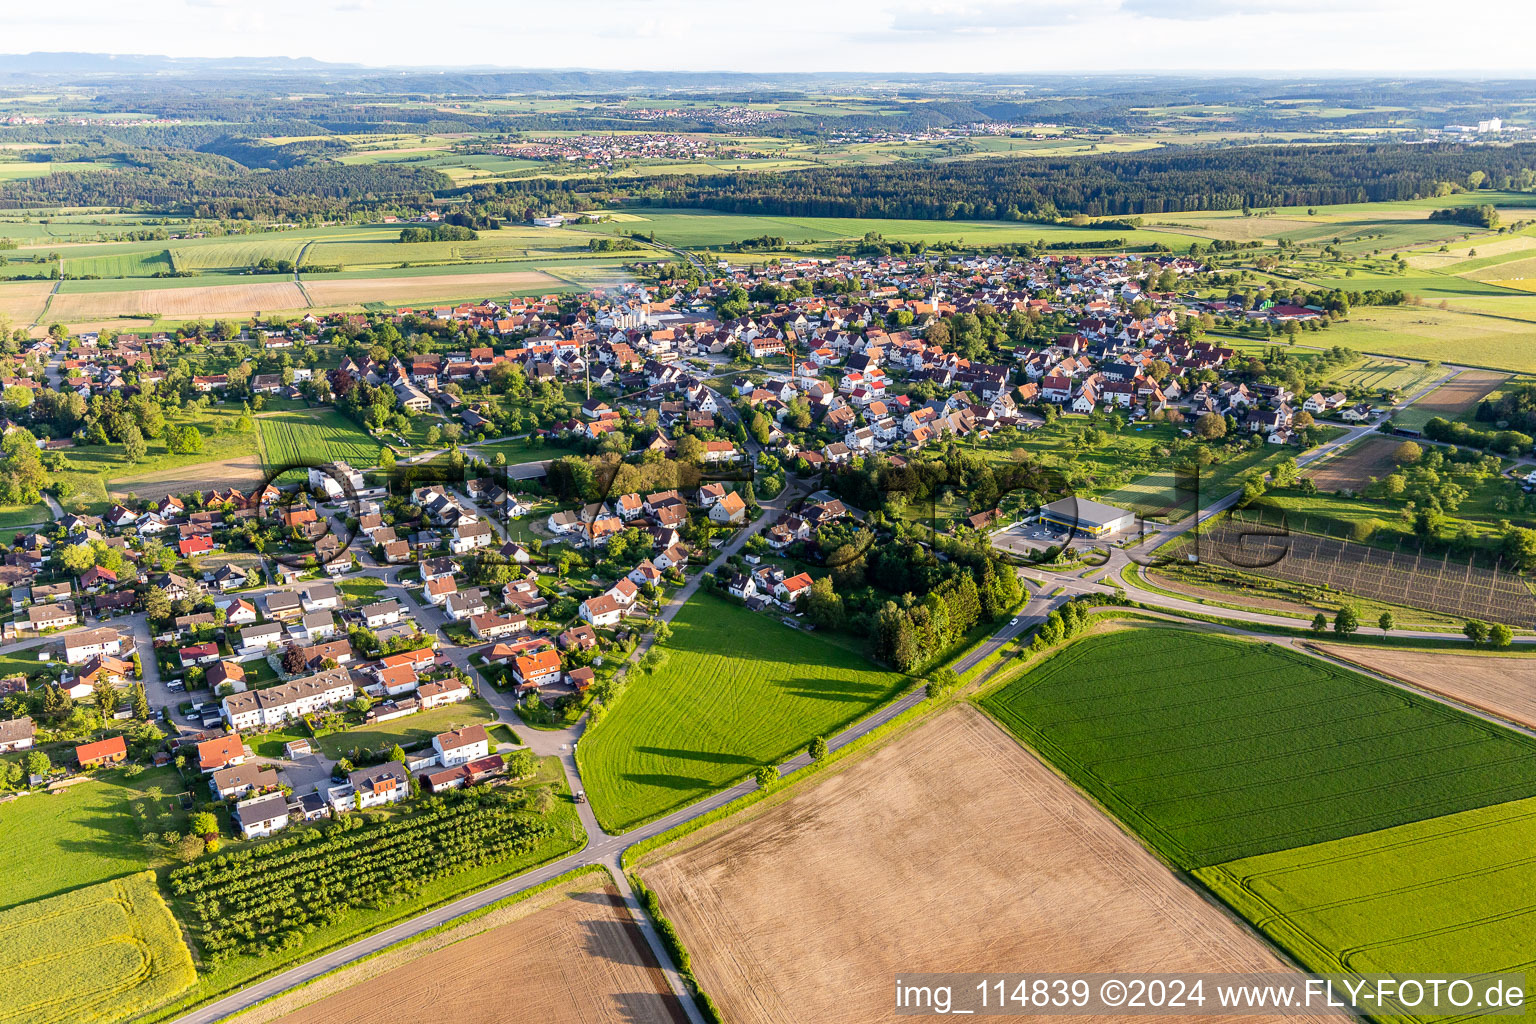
(1346, 621)
(1386, 622)
(1319, 623)
(767, 776)
(204, 824)
(1476, 630)
(1500, 635)
(818, 748)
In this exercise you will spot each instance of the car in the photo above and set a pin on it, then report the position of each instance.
(1015, 622)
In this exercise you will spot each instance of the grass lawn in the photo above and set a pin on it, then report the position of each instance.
(17, 517)
(313, 437)
(736, 691)
(1454, 890)
(90, 468)
(1215, 749)
(503, 733)
(90, 832)
(517, 452)
(23, 663)
(409, 731)
(358, 590)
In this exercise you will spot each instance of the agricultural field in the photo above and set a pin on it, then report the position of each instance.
(574, 950)
(330, 291)
(1501, 686)
(21, 302)
(130, 264)
(736, 690)
(1487, 331)
(244, 473)
(235, 255)
(189, 302)
(97, 955)
(706, 228)
(89, 833)
(1452, 893)
(1218, 748)
(1354, 467)
(805, 911)
(313, 437)
(1451, 399)
(1377, 375)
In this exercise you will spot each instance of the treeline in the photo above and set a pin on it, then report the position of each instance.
(1505, 442)
(1515, 408)
(438, 233)
(1482, 215)
(1119, 184)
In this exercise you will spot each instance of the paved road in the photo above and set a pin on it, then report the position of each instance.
(607, 849)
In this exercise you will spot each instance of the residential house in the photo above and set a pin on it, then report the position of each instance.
(112, 750)
(286, 701)
(461, 745)
(223, 752)
(262, 815)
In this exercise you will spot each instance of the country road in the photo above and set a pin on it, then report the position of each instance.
(603, 848)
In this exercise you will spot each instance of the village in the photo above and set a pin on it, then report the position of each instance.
(334, 600)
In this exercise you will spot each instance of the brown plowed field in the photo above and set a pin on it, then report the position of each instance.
(572, 954)
(209, 300)
(1502, 686)
(1353, 469)
(1456, 395)
(950, 849)
(419, 289)
(244, 473)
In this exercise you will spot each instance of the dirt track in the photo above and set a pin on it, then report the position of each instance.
(952, 849)
(1503, 686)
(569, 955)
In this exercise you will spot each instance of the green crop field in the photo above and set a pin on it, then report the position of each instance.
(1215, 749)
(87, 834)
(128, 264)
(236, 255)
(312, 437)
(1455, 893)
(97, 955)
(1382, 374)
(737, 690)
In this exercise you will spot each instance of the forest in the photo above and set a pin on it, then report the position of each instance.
(1118, 184)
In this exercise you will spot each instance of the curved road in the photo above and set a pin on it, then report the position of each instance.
(607, 849)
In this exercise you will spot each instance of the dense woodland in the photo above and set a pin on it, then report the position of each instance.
(1115, 184)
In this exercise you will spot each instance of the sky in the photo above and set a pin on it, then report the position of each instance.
(996, 36)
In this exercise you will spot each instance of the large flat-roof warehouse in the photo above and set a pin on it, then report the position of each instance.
(1093, 518)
